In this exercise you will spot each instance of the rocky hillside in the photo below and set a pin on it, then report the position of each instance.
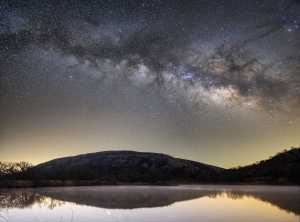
(114, 167)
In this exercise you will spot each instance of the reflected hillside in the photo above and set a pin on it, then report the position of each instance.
(124, 197)
(131, 197)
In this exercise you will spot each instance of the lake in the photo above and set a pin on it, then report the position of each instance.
(151, 204)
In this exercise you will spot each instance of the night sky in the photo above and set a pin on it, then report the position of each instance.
(216, 81)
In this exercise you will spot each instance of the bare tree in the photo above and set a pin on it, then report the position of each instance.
(14, 169)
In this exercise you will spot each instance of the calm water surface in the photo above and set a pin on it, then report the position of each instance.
(152, 204)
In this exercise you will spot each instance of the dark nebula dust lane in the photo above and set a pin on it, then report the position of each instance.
(195, 79)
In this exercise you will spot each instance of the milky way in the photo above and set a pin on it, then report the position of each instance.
(189, 72)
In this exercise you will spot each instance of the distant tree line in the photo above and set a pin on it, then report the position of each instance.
(282, 168)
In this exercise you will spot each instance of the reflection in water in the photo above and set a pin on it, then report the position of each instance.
(25, 199)
(280, 200)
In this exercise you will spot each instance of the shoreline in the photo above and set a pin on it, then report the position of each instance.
(12, 184)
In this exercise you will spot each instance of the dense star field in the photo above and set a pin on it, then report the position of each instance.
(215, 81)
